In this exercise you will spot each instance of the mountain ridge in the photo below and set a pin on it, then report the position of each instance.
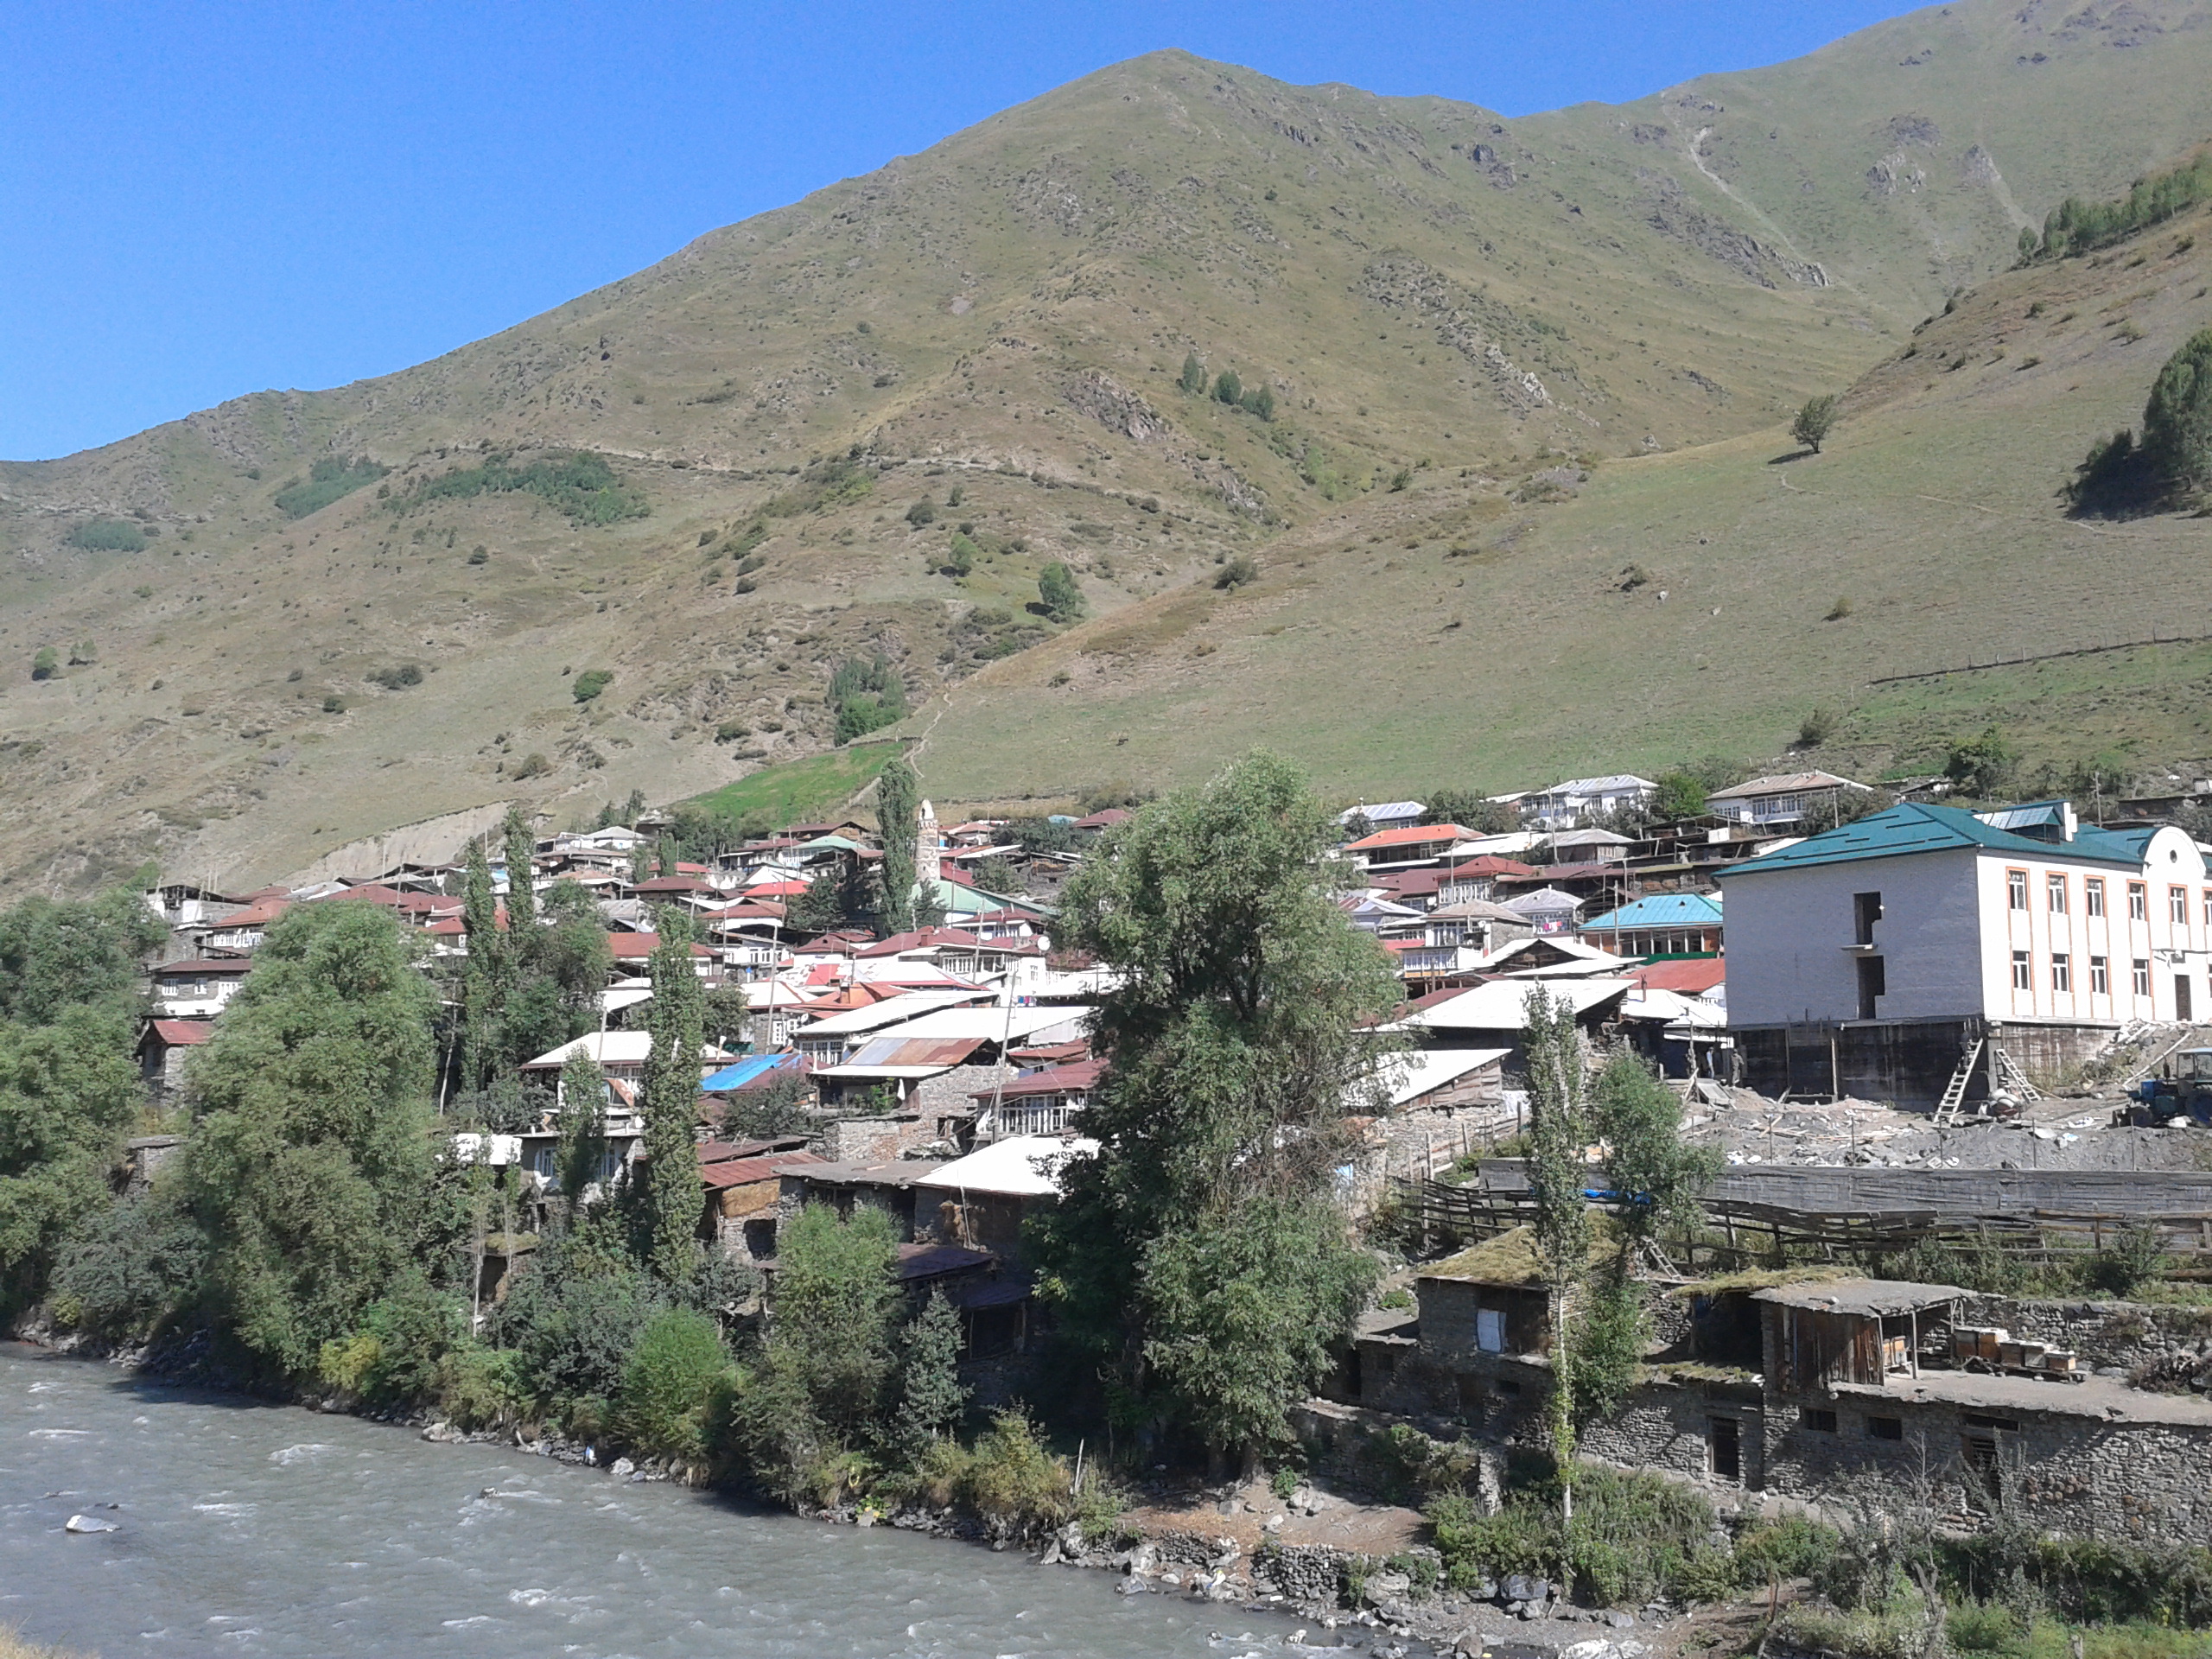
(1006, 311)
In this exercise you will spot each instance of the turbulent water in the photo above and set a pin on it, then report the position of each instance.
(249, 1529)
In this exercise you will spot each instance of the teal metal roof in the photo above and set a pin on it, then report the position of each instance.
(1661, 910)
(1915, 827)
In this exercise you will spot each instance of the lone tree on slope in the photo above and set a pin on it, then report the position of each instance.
(1814, 421)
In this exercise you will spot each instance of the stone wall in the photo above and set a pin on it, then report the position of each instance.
(2143, 1481)
(1667, 1424)
(873, 1139)
(2109, 1336)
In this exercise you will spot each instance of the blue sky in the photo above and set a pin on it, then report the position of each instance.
(201, 200)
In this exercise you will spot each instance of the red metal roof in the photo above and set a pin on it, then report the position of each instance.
(203, 967)
(1489, 864)
(745, 1172)
(1077, 1075)
(181, 1033)
(1690, 977)
(1413, 835)
(628, 947)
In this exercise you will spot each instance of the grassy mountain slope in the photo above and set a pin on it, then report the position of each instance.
(1440, 636)
(1413, 280)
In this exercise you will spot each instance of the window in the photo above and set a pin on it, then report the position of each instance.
(2100, 976)
(2021, 981)
(2139, 902)
(2016, 889)
(1886, 1428)
(2178, 905)
(2093, 892)
(2208, 906)
(2053, 888)
(2062, 971)
(1865, 911)
(2142, 975)
(1490, 1330)
(1821, 1422)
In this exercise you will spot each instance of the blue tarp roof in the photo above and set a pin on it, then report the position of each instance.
(1917, 827)
(749, 1069)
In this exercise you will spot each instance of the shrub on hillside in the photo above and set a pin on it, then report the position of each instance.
(136, 1261)
(46, 663)
(329, 480)
(589, 683)
(1237, 572)
(396, 679)
(107, 535)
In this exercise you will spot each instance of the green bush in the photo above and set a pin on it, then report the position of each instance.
(1014, 1484)
(1227, 388)
(581, 487)
(923, 512)
(1237, 572)
(960, 558)
(481, 1388)
(1981, 1627)
(589, 683)
(866, 694)
(668, 1384)
(396, 679)
(328, 481)
(135, 1261)
(46, 663)
(576, 1314)
(1057, 592)
(1633, 1534)
(107, 535)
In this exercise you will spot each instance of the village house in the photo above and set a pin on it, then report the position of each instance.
(1414, 847)
(200, 988)
(1384, 815)
(1873, 958)
(1664, 925)
(164, 1046)
(1786, 800)
(1039, 1101)
(1566, 805)
(1546, 910)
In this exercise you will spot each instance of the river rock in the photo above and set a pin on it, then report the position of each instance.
(1594, 1648)
(622, 1466)
(1520, 1587)
(88, 1524)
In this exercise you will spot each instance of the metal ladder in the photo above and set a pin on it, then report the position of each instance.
(2009, 1073)
(1954, 1092)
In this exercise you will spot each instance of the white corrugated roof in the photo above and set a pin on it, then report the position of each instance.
(1021, 1166)
(989, 1023)
(1412, 1074)
(1502, 1004)
(913, 1005)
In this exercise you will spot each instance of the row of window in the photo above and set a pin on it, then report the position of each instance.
(2093, 898)
(2062, 974)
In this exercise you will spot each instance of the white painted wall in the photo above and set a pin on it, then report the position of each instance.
(1948, 932)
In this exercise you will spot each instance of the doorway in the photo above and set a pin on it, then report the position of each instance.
(1728, 1449)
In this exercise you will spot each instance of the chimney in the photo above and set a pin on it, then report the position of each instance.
(2068, 823)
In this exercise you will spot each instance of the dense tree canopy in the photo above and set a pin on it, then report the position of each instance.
(1234, 1057)
(311, 1164)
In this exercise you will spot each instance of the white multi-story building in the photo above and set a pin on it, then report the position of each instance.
(1564, 806)
(1867, 957)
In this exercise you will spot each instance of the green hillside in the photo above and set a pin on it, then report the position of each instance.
(709, 480)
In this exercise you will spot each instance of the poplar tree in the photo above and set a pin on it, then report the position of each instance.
(483, 975)
(898, 807)
(582, 1151)
(522, 892)
(1558, 1132)
(671, 1105)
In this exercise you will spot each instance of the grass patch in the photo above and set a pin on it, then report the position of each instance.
(799, 790)
(107, 535)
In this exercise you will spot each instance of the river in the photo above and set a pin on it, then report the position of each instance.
(245, 1528)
